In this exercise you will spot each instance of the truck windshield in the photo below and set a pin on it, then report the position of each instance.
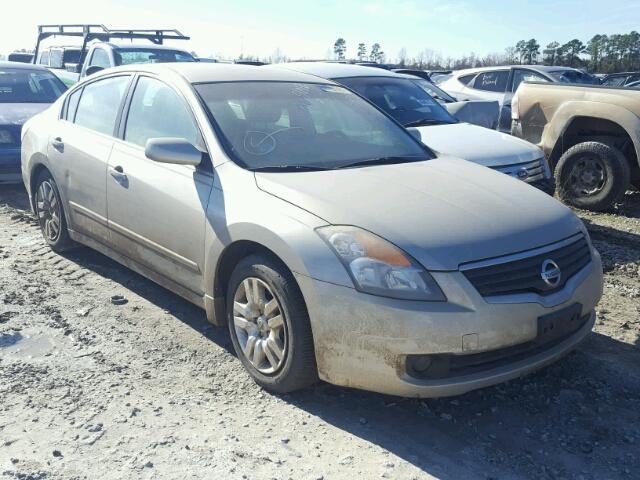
(24, 86)
(128, 56)
(295, 126)
(401, 98)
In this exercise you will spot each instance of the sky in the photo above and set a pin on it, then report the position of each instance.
(308, 29)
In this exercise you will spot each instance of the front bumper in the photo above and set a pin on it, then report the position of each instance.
(363, 341)
(10, 171)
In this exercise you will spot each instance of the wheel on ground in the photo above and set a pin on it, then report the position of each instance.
(269, 325)
(50, 213)
(592, 176)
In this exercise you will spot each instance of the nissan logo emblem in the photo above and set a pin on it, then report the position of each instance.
(550, 273)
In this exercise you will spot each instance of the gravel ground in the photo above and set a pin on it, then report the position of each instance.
(148, 389)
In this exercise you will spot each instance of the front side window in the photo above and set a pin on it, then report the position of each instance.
(492, 81)
(574, 76)
(614, 81)
(100, 58)
(157, 111)
(100, 102)
(521, 75)
(401, 98)
(24, 86)
(466, 79)
(289, 125)
(124, 56)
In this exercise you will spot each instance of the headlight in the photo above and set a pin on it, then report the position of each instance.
(5, 136)
(379, 267)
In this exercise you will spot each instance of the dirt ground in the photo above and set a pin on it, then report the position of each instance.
(149, 389)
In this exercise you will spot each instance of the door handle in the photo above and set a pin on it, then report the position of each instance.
(58, 144)
(118, 174)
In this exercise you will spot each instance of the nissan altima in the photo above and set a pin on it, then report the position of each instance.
(330, 241)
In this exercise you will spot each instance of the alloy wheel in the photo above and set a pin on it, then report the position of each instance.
(260, 325)
(48, 211)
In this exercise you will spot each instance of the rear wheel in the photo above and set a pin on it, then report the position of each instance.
(50, 213)
(269, 325)
(592, 176)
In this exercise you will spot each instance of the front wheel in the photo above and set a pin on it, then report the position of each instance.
(50, 213)
(269, 325)
(592, 176)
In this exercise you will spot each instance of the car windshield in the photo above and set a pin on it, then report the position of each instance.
(435, 91)
(128, 56)
(401, 98)
(574, 76)
(295, 126)
(25, 86)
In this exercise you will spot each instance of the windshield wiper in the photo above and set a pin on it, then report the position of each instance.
(290, 168)
(382, 161)
(427, 121)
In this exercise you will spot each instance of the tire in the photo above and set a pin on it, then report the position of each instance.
(601, 169)
(50, 212)
(296, 369)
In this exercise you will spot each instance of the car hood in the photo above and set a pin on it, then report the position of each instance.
(479, 145)
(443, 212)
(18, 113)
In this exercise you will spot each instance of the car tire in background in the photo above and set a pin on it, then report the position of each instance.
(592, 176)
(50, 213)
(269, 325)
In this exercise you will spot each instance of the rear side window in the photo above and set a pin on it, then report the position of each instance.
(44, 58)
(522, 75)
(492, 81)
(614, 81)
(158, 111)
(99, 104)
(465, 79)
(100, 58)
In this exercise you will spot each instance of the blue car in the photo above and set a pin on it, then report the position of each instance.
(24, 91)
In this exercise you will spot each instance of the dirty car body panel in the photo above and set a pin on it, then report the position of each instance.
(460, 225)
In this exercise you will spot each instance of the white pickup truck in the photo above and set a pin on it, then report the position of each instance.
(97, 52)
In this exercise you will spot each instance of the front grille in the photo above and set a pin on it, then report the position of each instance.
(525, 275)
(528, 172)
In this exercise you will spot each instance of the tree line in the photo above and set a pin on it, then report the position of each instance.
(601, 54)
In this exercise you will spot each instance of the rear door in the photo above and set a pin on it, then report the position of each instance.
(157, 210)
(79, 149)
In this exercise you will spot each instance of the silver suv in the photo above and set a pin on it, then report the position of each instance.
(332, 243)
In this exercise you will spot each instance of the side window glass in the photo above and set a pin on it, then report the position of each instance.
(72, 105)
(492, 81)
(158, 111)
(55, 59)
(520, 75)
(44, 58)
(100, 58)
(99, 104)
(465, 79)
(614, 81)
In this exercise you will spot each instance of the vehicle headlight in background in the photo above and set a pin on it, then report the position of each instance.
(5, 136)
(378, 267)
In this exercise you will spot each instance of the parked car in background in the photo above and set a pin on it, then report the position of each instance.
(328, 239)
(590, 135)
(21, 57)
(500, 83)
(98, 52)
(24, 91)
(633, 84)
(402, 97)
(483, 113)
(622, 79)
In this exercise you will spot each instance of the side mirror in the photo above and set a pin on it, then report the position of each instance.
(415, 133)
(93, 69)
(173, 150)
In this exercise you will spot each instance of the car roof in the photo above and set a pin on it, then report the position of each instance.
(539, 68)
(337, 70)
(196, 72)
(22, 66)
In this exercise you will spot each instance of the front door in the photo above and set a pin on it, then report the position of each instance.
(156, 211)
